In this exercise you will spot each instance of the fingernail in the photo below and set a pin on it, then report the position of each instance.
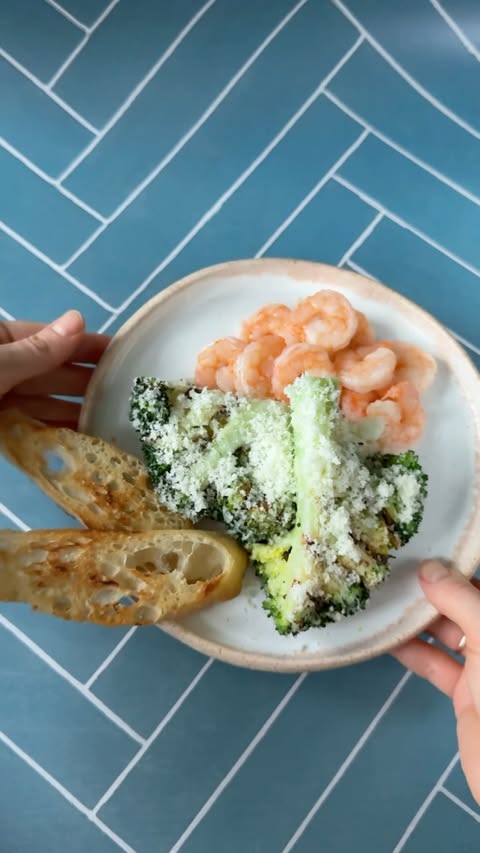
(433, 571)
(68, 324)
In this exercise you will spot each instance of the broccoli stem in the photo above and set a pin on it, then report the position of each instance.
(325, 568)
(314, 417)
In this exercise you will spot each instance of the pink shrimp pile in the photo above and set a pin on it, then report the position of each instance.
(323, 335)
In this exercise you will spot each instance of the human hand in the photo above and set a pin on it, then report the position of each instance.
(458, 600)
(38, 363)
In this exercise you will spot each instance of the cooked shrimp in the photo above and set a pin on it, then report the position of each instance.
(270, 320)
(364, 336)
(325, 319)
(215, 364)
(295, 360)
(403, 413)
(254, 366)
(413, 365)
(366, 372)
(354, 405)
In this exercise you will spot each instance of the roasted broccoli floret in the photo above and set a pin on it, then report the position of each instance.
(215, 455)
(352, 511)
(408, 482)
(296, 484)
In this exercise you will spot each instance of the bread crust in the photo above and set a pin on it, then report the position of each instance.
(90, 479)
(114, 578)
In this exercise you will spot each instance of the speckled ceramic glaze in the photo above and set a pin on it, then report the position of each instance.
(163, 338)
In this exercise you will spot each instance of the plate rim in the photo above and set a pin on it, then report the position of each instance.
(422, 613)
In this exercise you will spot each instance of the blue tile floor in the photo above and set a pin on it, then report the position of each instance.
(142, 139)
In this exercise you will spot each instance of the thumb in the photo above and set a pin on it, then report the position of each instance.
(454, 596)
(40, 352)
(457, 599)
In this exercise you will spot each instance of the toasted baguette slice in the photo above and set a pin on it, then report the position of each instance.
(119, 578)
(101, 486)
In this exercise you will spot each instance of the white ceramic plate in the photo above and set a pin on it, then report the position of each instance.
(163, 338)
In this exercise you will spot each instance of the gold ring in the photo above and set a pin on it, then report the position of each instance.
(462, 644)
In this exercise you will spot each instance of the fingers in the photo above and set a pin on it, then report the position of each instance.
(468, 731)
(46, 409)
(445, 631)
(455, 597)
(431, 663)
(15, 330)
(90, 347)
(41, 352)
(70, 380)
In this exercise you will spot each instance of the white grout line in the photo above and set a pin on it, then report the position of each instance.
(5, 314)
(67, 676)
(400, 150)
(141, 752)
(313, 192)
(63, 67)
(113, 654)
(456, 29)
(361, 271)
(346, 764)
(360, 239)
(465, 343)
(13, 518)
(404, 74)
(103, 329)
(58, 269)
(136, 91)
(43, 175)
(368, 199)
(190, 133)
(64, 792)
(43, 773)
(217, 206)
(238, 764)
(459, 802)
(50, 93)
(110, 833)
(81, 44)
(109, 8)
(67, 15)
(423, 808)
